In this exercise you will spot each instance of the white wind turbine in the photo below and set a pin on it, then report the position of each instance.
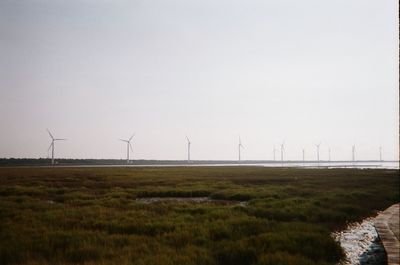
(128, 146)
(240, 146)
(353, 152)
(317, 145)
(282, 150)
(380, 153)
(304, 152)
(329, 154)
(188, 142)
(53, 140)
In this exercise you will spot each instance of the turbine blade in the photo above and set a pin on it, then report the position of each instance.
(130, 146)
(60, 139)
(50, 134)
(123, 140)
(50, 146)
(131, 137)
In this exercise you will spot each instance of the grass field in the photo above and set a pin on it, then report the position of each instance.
(92, 215)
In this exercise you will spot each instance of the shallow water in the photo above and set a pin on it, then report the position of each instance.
(298, 164)
(333, 164)
(361, 244)
(148, 200)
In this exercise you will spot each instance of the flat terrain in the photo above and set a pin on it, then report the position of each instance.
(243, 215)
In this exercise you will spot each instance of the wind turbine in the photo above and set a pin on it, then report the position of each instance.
(317, 145)
(380, 153)
(128, 146)
(282, 149)
(53, 140)
(353, 152)
(303, 155)
(329, 157)
(240, 146)
(188, 142)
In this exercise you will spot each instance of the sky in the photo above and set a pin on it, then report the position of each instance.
(269, 71)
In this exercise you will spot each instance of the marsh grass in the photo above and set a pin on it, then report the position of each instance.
(91, 215)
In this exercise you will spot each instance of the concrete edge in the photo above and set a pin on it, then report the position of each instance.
(388, 238)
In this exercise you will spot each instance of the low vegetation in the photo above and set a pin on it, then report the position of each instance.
(92, 215)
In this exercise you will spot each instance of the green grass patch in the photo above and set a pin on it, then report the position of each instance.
(92, 215)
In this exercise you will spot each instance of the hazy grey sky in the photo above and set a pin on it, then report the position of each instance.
(271, 70)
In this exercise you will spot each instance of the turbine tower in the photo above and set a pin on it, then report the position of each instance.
(317, 145)
(128, 146)
(380, 153)
(240, 146)
(53, 140)
(188, 143)
(353, 152)
(329, 157)
(303, 155)
(282, 149)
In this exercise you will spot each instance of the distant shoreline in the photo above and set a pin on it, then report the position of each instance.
(40, 162)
